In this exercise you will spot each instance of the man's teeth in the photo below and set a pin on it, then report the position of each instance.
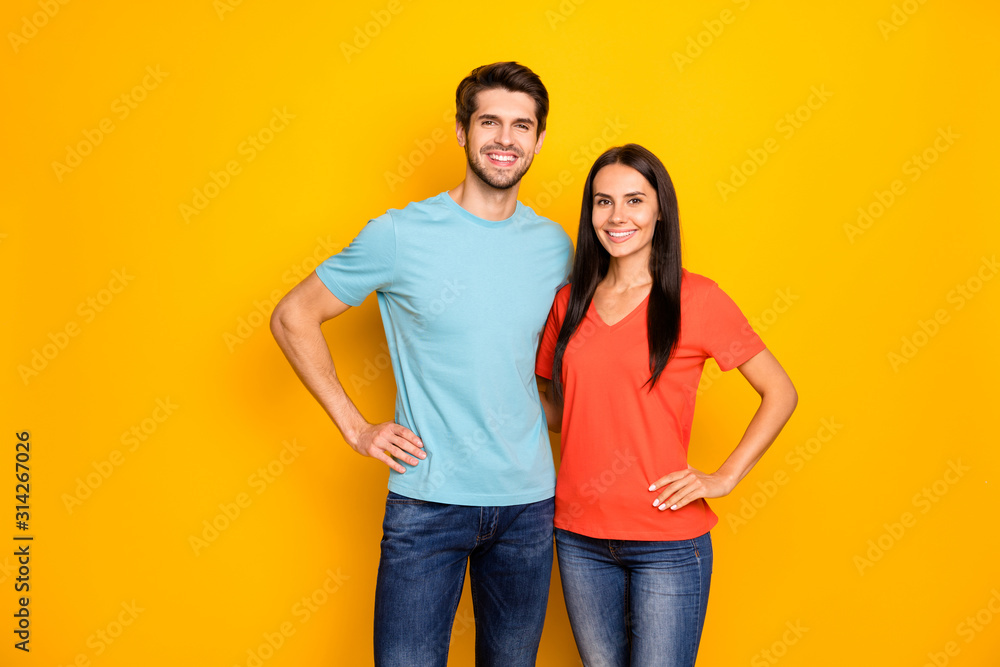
(503, 158)
(621, 235)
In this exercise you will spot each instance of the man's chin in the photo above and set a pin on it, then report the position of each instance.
(502, 185)
(497, 183)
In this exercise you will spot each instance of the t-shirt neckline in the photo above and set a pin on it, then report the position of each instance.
(482, 222)
(641, 307)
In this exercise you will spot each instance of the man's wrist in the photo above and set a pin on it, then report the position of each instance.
(351, 430)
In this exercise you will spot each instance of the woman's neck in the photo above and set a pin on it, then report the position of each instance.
(626, 273)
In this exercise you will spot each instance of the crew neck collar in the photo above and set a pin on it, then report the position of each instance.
(483, 222)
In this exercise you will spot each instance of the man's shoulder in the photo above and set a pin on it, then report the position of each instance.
(552, 229)
(528, 214)
(425, 208)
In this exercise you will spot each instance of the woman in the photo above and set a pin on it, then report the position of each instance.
(624, 348)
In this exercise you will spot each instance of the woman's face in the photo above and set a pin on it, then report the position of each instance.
(625, 211)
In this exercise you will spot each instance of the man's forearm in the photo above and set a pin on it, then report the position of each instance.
(295, 324)
(306, 349)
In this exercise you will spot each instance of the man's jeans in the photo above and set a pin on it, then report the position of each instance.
(425, 548)
(633, 602)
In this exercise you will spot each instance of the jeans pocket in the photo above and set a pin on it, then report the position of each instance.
(396, 499)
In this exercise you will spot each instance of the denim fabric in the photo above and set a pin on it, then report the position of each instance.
(633, 602)
(425, 548)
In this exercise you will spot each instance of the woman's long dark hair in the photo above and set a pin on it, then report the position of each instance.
(663, 316)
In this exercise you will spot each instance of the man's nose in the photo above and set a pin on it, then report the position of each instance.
(505, 135)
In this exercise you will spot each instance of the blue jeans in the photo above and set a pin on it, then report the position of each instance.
(634, 602)
(425, 548)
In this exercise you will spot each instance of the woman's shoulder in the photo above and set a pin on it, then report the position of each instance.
(700, 293)
(562, 295)
(695, 283)
(561, 302)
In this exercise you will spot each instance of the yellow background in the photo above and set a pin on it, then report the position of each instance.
(371, 130)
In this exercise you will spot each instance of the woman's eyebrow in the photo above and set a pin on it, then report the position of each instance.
(627, 194)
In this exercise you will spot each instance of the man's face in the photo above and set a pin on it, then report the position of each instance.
(502, 138)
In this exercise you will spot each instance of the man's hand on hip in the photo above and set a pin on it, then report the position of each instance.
(389, 441)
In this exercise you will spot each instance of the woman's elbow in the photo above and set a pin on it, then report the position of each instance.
(789, 397)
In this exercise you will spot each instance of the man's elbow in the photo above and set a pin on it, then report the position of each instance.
(282, 317)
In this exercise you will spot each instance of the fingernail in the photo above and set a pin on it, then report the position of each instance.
(656, 502)
(652, 487)
(662, 507)
(673, 507)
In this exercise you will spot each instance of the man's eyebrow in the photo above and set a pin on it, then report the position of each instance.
(491, 116)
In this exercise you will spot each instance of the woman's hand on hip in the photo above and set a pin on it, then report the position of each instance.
(685, 486)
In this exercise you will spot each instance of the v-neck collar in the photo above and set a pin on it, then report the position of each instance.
(592, 311)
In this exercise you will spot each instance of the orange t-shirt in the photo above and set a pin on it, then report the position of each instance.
(617, 436)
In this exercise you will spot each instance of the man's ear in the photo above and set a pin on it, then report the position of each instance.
(538, 142)
(460, 134)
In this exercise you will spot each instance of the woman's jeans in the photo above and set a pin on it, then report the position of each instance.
(633, 602)
(425, 549)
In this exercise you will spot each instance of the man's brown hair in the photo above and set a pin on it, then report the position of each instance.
(507, 76)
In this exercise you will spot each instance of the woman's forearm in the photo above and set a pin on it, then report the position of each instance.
(776, 407)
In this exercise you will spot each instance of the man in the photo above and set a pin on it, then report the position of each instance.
(464, 282)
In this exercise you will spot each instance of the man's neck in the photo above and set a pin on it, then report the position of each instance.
(484, 201)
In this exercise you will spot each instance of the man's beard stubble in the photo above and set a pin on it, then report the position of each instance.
(493, 180)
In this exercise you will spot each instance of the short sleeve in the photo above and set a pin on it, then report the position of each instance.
(365, 266)
(727, 337)
(547, 347)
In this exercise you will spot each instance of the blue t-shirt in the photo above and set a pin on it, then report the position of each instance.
(463, 303)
